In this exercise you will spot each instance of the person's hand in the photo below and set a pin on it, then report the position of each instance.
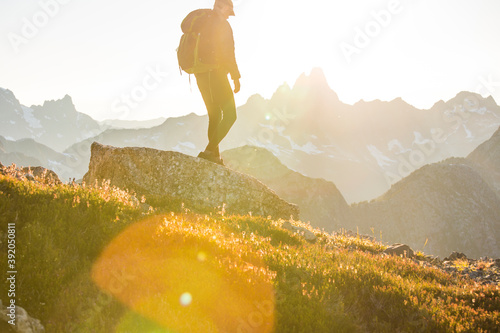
(237, 85)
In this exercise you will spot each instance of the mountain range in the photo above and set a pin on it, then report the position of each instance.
(429, 178)
(363, 148)
(452, 205)
(445, 206)
(55, 124)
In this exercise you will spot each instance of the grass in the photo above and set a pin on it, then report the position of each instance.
(92, 259)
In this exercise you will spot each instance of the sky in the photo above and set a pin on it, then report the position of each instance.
(117, 59)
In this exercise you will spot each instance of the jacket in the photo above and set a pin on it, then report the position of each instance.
(216, 39)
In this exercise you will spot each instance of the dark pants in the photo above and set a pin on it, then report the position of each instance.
(219, 100)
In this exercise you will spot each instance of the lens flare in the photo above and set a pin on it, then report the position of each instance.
(182, 279)
(202, 256)
(186, 299)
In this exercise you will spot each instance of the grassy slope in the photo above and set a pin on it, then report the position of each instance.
(68, 236)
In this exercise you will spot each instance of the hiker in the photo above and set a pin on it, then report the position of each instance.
(216, 49)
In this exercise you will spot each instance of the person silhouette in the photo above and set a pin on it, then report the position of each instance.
(216, 48)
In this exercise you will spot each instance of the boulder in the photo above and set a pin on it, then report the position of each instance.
(400, 250)
(455, 256)
(23, 322)
(42, 174)
(200, 184)
(307, 234)
(34, 174)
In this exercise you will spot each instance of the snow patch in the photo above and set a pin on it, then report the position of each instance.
(273, 148)
(188, 144)
(184, 147)
(30, 118)
(278, 129)
(469, 133)
(309, 148)
(481, 111)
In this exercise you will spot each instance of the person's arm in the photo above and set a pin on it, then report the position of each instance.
(237, 85)
(228, 54)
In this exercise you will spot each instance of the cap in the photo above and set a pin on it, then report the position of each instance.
(227, 3)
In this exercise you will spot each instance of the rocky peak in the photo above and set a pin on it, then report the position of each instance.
(315, 78)
(281, 95)
(201, 185)
(61, 107)
(314, 85)
(466, 101)
(8, 102)
(7, 94)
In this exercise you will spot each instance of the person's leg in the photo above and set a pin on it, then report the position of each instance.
(224, 99)
(206, 86)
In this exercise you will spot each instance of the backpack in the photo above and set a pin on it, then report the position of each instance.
(188, 51)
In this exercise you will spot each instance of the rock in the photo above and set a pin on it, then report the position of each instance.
(33, 174)
(40, 173)
(400, 250)
(350, 233)
(432, 259)
(455, 256)
(200, 184)
(307, 234)
(23, 322)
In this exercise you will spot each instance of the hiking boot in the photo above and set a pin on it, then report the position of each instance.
(210, 156)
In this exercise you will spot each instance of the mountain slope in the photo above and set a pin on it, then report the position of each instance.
(445, 207)
(106, 267)
(319, 201)
(486, 159)
(17, 121)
